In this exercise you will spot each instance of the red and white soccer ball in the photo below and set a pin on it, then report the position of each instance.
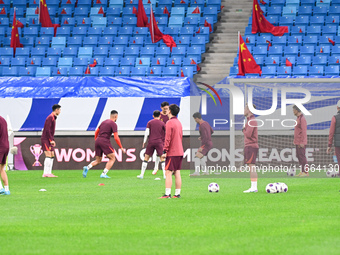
(213, 187)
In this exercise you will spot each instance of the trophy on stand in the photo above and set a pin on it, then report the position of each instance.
(36, 151)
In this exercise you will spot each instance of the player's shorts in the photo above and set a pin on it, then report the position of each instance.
(173, 163)
(206, 148)
(3, 156)
(151, 147)
(46, 145)
(103, 146)
(250, 154)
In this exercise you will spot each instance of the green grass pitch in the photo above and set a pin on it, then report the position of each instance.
(76, 216)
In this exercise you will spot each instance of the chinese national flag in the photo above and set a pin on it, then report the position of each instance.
(98, 2)
(157, 35)
(207, 24)
(196, 11)
(151, 71)
(15, 39)
(69, 2)
(158, 63)
(2, 2)
(101, 11)
(58, 72)
(262, 25)
(140, 62)
(36, 11)
(3, 11)
(166, 11)
(45, 18)
(88, 70)
(94, 63)
(288, 63)
(331, 41)
(182, 73)
(142, 19)
(65, 22)
(246, 62)
(63, 11)
(134, 10)
(193, 62)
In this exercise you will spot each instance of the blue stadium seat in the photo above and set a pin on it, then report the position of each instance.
(99, 61)
(59, 42)
(65, 61)
(4, 21)
(304, 61)
(63, 31)
(117, 4)
(191, 62)
(261, 50)
(298, 30)
(316, 70)
(276, 50)
(116, 51)
(5, 61)
(277, 2)
(233, 71)
(163, 52)
(46, 31)
(27, 71)
(155, 71)
(284, 71)
(314, 30)
(291, 50)
(286, 20)
(137, 41)
(295, 40)
(334, 10)
(31, 13)
(310, 3)
(143, 62)
(179, 51)
(70, 51)
(99, 21)
(129, 22)
(18, 61)
(65, 12)
(131, 51)
(68, 22)
(323, 3)
(191, 22)
(95, 31)
(176, 21)
(320, 10)
(300, 70)
(188, 71)
(210, 12)
(332, 70)
(291, 59)
(76, 71)
(10, 71)
(114, 21)
(174, 61)
(54, 52)
(101, 51)
(198, 41)
(183, 41)
(50, 61)
(125, 31)
(65, 3)
(37, 51)
(81, 11)
(307, 50)
(300, 21)
(94, 71)
(83, 21)
(334, 60)
(289, 10)
(280, 40)
(305, 10)
(170, 71)
(79, 31)
(106, 71)
(95, 11)
(329, 30)
(106, 41)
(85, 52)
(147, 52)
(324, 40)
(258, 59)
(121, 40)
(333, 19)
(273, 20)
(123, 71)
(23, 52)
(269, 71)
(138, 71)
(263, 40)
(43, 72)
(317, 20)
(319, 60)
(272, 61)
(140, 31)
(335, 50)
(75, 41)
(112, 61)
(31, 31)
(178, 11)
(81, 61)
(194, 52)
(114, 12)
(84, 3)
(293, 3)
(159, 61)
(128, 61)
(27, 41)
(310, 40)
(162, 21)
(323, 50)
(91, 41)
(108, 31)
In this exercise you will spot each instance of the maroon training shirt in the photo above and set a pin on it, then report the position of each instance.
(205, 132)
(49, 128)
(164, 118)
(107, 128)
(157, 131)
(4, 144)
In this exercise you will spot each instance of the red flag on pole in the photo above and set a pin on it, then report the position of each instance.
(94, 63)
(134, 10)
(2, 2)
(36, 11)
(166, 11)
(331, 41)
(15, 39)
(246, 62)
(142, 19)
(182, 73)
(87, 71)
(261, 25)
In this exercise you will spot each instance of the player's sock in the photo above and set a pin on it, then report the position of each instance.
(254, 185)
(177, 192)
(163, 168)
(158, 159)
(168, 191)
(105, 171)
(197, 162)
(51, 165)
(144, 166)
(89, 166)
(204, 165)
(1, 185)
(46, 165)
(6, 188)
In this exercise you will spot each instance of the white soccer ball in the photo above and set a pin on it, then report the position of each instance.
(271, 188)
(284, 187)
(213, 187)
(279, 187)
(331, 173)
(291, 172)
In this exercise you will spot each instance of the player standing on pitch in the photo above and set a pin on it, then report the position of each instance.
(300, 140)
(251, 147)
(47, 140)
(334, 132)
(173, 152)
(4, 149)
(155, 130)
(206, 144)
(103, 144)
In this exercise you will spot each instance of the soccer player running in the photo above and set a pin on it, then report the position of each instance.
(206, 144)
(4, 149)
(47, 140)
(173, 152)
(103, 144)
(334, 134)
(251, 147)
(300, 140)
(155, 130)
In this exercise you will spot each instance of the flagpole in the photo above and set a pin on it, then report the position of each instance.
(238, 39)
(152, 29)
(39, 12)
